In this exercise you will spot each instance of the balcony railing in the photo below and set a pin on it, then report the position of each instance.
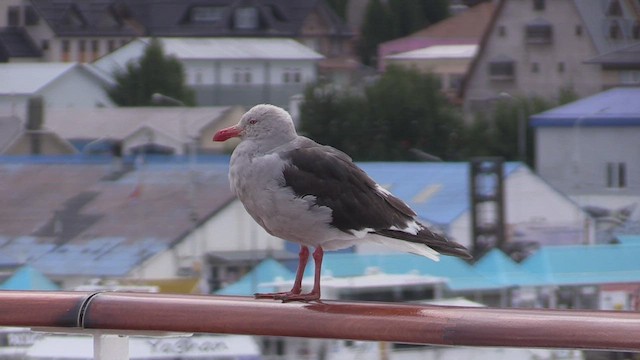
(133, 313)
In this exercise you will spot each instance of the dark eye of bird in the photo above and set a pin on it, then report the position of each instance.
(253, 121)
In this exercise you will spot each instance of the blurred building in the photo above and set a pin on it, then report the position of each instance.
(61, 85)
(83, 31)
(588, 149)
(165, 130)
(222, 71)
(538, 48)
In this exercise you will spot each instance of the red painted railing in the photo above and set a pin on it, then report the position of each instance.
(405, 323)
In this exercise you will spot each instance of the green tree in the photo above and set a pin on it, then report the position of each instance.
(392, 19)
(403, 110)
(375, 29)
(497, 133)
(339, 7)
(153, 72)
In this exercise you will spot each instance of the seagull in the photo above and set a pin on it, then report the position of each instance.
(314, 195)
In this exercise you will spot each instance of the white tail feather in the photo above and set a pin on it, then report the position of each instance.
(405, 246)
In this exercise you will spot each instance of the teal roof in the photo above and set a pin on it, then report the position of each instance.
(629, 239)
(552, 265)
(578, 264)
(267, 271)
(437, 191)
(28, 278)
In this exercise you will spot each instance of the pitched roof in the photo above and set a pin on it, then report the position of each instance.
(28, 78)
(74, 218)
(268, 270)
(621, 58)
(276, 18)
(28, 278)
(438, 52)
(467, 24)
(86, 18)
(614, 107)
(237, 48)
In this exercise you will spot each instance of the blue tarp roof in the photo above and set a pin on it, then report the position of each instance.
(438, 192)
(28, 278)
(614, 107)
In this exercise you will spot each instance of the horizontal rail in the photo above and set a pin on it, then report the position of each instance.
(404, 323)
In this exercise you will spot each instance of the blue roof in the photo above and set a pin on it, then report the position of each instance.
(267, 271)
(28, 278)
(437, 191)
(614, 107)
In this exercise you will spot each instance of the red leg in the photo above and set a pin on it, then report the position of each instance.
(303, 257)
(314, 295)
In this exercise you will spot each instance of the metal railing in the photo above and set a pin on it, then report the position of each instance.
(130, 313)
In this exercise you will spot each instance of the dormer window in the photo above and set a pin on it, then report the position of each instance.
(615, 32)
(538, 5)
(502, 68)
(246, 18)
(614, 8)
(206, 14)
(539, 32)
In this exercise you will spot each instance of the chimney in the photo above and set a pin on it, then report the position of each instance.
(35, 118)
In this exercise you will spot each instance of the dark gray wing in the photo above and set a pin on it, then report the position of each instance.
(336, 182)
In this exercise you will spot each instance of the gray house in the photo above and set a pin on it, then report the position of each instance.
(589, 149)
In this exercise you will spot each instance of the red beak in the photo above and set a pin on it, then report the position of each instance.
(227, 133)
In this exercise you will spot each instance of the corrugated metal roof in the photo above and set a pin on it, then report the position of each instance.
(27, 78)
(49, 220)
(237, 49)
(614, 107)
(447, 185)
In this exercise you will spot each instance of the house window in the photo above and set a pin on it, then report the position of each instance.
(95, 49)
(615, 32)
(82, 49)
(535, 68)
(246, 18)
(242, 76)
(66, 50)
(538, 5)
(111, 45)
(502, 70)
(616, 175)
(44, 45)
(291, 76)
(630, 77)
(635, 31)
(539, 33)
(502, 31)
(614, 8)
(207, 14)
(30, 16)
(13, 16)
